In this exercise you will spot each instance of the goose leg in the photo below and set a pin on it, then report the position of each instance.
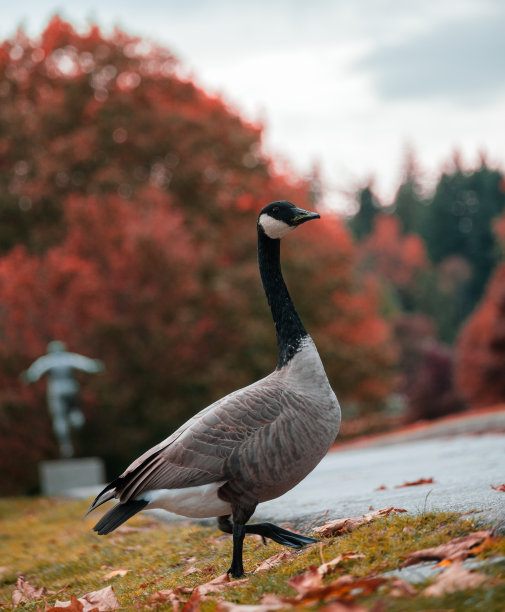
(224, 523)
(237, 569)
(265, 530)
(241, 515)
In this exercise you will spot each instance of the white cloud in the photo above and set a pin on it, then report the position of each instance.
(300, 67)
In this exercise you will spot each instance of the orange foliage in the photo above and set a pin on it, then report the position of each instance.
(480, 367)
(128, 230)
(395, 257)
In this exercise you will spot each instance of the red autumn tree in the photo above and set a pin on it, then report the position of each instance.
(131, 198)
(481, 346)
(395, 258)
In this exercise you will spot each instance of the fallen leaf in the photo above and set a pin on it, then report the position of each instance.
(267, 564)
(416, 483)
(381, 488)
(228, 606)
(343, 606)
(457, 549)
(310, 580)
(74, 606)
(499, 487)
(219, 584)
(193, 603)
(310, 588)
(114, 573)
(25, 592)
(326, 568)
(190, 570)
(454, 578)
(345, 525)
(104, 599)
(401, 588)
(171, 596)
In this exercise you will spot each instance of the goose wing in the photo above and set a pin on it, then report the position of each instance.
(205, 449)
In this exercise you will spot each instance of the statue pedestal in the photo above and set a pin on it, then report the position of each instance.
(64, 475)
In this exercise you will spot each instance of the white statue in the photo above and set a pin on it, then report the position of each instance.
(62, 389)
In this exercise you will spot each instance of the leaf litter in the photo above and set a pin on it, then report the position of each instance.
(345, 525)
(312, 586)
(457, 549)
(454, 578)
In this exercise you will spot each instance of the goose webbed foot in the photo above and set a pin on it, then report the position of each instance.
(269, 530)
(279, 535)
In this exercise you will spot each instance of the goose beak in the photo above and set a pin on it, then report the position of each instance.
(301, 216)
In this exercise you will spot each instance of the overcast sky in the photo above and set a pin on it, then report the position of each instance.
(350, 85)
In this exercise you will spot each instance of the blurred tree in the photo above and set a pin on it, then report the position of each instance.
(131, 198)
(458, 222)
(361, 224)
(409, 204)
(481, 347)
(398, 260)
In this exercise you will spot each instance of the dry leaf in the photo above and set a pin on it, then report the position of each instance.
(74, 606)
(401, 588)
(343, 606)
(499, 487)
(25, 592)
(171, 596)
(276, 560)
(344, 525)
(381, 488)
(457, 549)
(454, 578)
(190, 570)
(114, 573)
(326, 568)
(193, 603)
(310, 588)
(303, 583)
(228, 606)
(416, 483)
(219, 584)
(104, 599)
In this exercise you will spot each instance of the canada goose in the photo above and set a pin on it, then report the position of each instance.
(252, 445)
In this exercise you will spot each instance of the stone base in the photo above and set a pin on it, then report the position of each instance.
(63, 475)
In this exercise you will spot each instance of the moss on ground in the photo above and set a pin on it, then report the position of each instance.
(51, 543)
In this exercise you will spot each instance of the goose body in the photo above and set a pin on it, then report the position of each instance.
(252, 445)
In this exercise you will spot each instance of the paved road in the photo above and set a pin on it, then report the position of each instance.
(345, 483)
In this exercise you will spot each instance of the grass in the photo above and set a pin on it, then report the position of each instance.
(51, 543)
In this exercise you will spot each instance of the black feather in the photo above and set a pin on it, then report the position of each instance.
(118, 515)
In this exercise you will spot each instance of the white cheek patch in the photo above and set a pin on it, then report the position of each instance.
(274, 228)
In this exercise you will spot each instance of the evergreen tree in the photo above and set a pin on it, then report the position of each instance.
(459, 222)
(362, 223)
(408, 203)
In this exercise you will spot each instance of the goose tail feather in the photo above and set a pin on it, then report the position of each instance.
(108, 493)
(118, 515)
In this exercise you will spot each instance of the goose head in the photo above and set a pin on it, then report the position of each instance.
(279, 218)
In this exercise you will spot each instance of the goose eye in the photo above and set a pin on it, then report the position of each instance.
(275, 209)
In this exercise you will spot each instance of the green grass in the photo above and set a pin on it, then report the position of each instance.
(52, 544)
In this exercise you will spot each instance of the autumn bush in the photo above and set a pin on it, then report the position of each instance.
(130, 197)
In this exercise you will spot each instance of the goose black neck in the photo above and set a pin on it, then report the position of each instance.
(288, 325)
